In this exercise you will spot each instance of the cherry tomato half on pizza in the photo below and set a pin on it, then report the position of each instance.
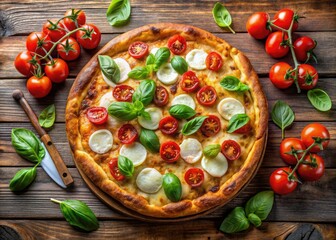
(206, 96)
(177, 44)
(161, 96)
(194, 177)
(114, 170)
(138, 50)
(214, 61)
(190, 82)
(123, 93)
(211, 126)
(231, 149)
(170, 151)
(97, 115)
(168, 125)
(127, 134)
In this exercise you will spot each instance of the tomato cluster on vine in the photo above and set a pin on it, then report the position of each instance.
(44, 61)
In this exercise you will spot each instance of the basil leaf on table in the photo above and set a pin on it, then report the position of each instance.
(235, 221)
(282, 115)
(319, 99)
(119, 12)
(237, 121)
(212, 150)
(145, 92)
(123, 110)
(22, 179)
(179, 64)
(27, 145)
(78, 214)
(260, 204)
(222, 16)
(233, 84)
(172, 187)
(161, 56)
(150, 140)
(193, 125)
(109, 68)
(125, 166)
(47, 117)
(181, 111)
(254, 219)
(139, 73)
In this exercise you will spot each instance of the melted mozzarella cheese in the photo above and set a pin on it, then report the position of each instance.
(216, 166)
(105, 101)
(149, 180)
(191, 150)
(101, 141)
(166, 74)
(184, 99)
(196, 59)
(153, 123)
(229, 107)
(134, 152)
(124, 68)
(154, 50)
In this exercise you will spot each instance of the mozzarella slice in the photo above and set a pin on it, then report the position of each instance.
(149, 180)
(105, 101)
(108, 81)
(101, 141)
(229, 107)
(217, 166)
(196, 59)
(154, 50)
(152, 124)
(191, 150)
(184, 99)
(134, 152)
(124, 68)
(166, 74)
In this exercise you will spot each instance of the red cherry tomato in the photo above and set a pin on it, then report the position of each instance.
(194, 177)
(177, 44)
(90, 38)
(97, 115)
(307, 77)
(114, 170)
(312, 171)
(69, 49)
(168, 125)
(24, 63)
(161, 96)
(53, 30)
(318, 131)
(190, 82)
(283, 19)
(211, 126)
(274, 44)
(257, 25)
(38, 42)
(279, 181)
(57, 70)
(123, 93)
(39, 87)
(244, 129)
(289, 147)
(138, 50)
(214, 61)
(170, 151)
(127, 134)
(231, 149)
(206, 96)
(280, 76)
(73, 16)
(303, 47)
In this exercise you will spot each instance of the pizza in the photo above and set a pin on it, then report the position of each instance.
(168, 119)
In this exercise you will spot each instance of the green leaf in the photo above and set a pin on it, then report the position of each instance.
(222, 16)
(125, 166)
(260, 204)
(150, 140)
(181, 111)
(47, 117)
(254, 219)
(109, 68)
(145, 92)
(282, 115)
(139, 73)
(212, 150)
(150, 59)
(27, 145)
(22, 179)
(161, 56)
(123, 110)
(193, 125)
(319, 99)
(237, 121)
(179, 64)
(235, 221)
(172, 187)
(119, 12)
(233, 84)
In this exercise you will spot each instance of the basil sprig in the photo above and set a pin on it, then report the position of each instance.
(161, 56)
(233, 84)
(145, 92)
(235, 221)
(47, 117)
(222, 16)
(319, 99)
(78, 214)
(125, 166)
(282, 115)
(150, 140)
(119, 12)
(22, 179)
(181, 111)
(140, 73)
(109, 68)
(179, 64)
(212, 150)
(193, 125)
(237, 121)
(172, 187)
(128, 111)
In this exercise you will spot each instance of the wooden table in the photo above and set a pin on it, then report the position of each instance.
(32, 214)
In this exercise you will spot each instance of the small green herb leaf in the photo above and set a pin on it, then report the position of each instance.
(47, 117)
(119, 12)
(235, 221)
(212, 150)
(123, 110)
(237, 121)
(232, 83)
(145, 92)
(150, 140)
(22, 179)
(193, 125)
(222, 16)
(125, 166)
(254, 219)
(181, 111)
(319, 99)
(282, 115)
(161, 56)
(109, 68)
(260, 204)
(179, 64)
(150, 59)
(139, 73)
(172, 187)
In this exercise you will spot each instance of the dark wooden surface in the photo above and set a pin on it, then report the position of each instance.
(32, 215)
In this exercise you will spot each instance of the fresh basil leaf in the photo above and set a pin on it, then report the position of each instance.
(47, 117)
(22, 179)
(161, 56)
(260, 204)
(119, 12)
(222, 16)
(125, 166)
(254, 219)
(181, 111)
(319, 99)
(172, 187)
(123, 110)
(237, 121)
(144, 114)
(150, 59)
(109, 68)
(233, 84)
(27, 145)
(139, 73)
(212, 150)
(145, 92)
(150, 140)
(193, 125)
(282, 115)
(235, 221)
(179, 64)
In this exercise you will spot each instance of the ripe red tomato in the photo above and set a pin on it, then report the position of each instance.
(97, 115)
(170, 151)
(73, 16)
(168, 125)
(307, 77)
(211, 126)
(114, 170)
(177, 44)
(39, 87)
(123, 93)
(38, 42)
(69, 49)
(257, 25)
(57, 70)
(190, 82)
(90, 38)
(54, 30)
(194, 177)
(303, 47)
(280, 76)
(275, 44)
(127, 134)
(312, 171)
(289, 147)
(214, 61)
(161, 96)
(317, 131)
(138, 50)
(231, 149)
(206, 96)
(280, 183)
(24, 63)
(283, 19)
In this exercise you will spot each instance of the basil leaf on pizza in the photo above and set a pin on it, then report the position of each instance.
(145, 92)
(150, 140)
(161, 56)
(237, 121)
(125, 166)
(140, 73)
(193, 125)
(181, 111)
(109, 68)
(172, 187)
(123, 110)
(232, 83)
(179, 64)
(212, 150)
(150, 60)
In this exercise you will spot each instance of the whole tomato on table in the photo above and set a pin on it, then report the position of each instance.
(307, 77)
(280, 183)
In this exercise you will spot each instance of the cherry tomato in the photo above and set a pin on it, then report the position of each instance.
(279, 181)
(283, 19)
(307, 77)
(127, 134)
(170, 151)
(168, 125)
(114, 170)
(177, 44)
(280, 76)
(57, 70)
(69, 49)
(138, 50)
(38, 42)
(73, 16)
(211, 126)
(312, 171)
(318, 131)
(231, 149)
(214, 61)
(190, 82)
(24, 63)
(289, 147)
(53, 30)
(123, 93)
(206, 96)
(39, 87)
(257, 25)
(275, 46)
(90, 38)
(194, 177)
(244, 129)
(97, 115)
(161, 96)
(303, 47)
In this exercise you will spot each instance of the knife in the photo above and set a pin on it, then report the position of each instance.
(52, 162)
